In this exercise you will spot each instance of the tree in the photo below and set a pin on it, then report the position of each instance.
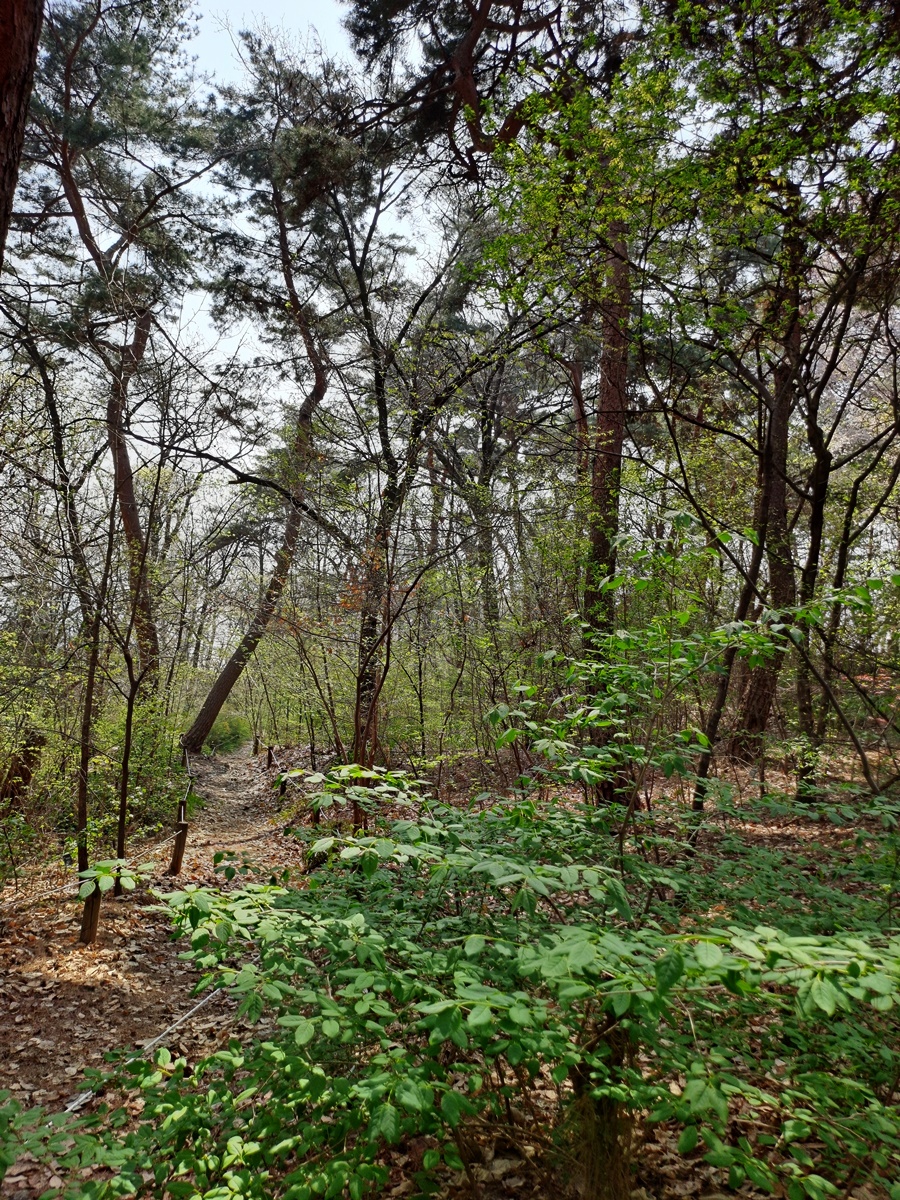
(111, 155)
(20, 31)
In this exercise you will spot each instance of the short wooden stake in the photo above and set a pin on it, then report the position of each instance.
(270, 757)
(181, 832)
(90, 918)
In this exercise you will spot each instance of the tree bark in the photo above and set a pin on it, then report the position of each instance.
(775, 529)
(763, 684)
(20, 31)
(229, 675)
(123, 477)
(609, 438)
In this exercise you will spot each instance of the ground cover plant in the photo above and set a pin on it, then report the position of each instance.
(422, 978)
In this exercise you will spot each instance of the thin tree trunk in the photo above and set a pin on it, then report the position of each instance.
(20, 31)
(300, 454)
(714, 716)
(763, 684)
(229, 675)
(125, 769)
(818, 488)
(123, 475)
(87, 712)
(609, 438)
(761, 691)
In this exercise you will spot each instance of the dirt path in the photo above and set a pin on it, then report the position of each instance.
(66, 1005)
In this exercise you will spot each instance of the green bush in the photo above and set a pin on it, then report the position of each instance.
(426, 977)
(227, 733)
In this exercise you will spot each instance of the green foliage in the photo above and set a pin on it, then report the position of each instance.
(426, 974)
(367, 789)
(227, 734)
(103, 875)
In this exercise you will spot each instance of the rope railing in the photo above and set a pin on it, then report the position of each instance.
(82, 1098)
(180, 832)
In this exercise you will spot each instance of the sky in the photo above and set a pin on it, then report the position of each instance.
(214, 46)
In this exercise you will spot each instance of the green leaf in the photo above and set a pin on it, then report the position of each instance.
(409, 1094)
(621, 1002)
(385, 1123)
(521, 1015)
(106, 883)
(618, 897)
(454, 1107)
(690, 1135)
(479, 1016)
(824, 995)
(708, 954)
(86, 888)
(331, 1028)
(305, 1032)
(583, 955)
(668, 970)
(474, 945)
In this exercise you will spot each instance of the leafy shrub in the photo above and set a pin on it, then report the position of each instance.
(431, 973)
(227, 734)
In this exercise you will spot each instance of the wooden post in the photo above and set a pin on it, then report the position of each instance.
(90, 918)
(270, 757)
(181, 832)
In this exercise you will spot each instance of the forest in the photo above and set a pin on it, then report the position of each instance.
(449, 601)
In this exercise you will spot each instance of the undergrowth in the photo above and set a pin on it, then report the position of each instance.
(425, 976)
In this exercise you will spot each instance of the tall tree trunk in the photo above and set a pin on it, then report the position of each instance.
(229, 675)
(300, 456)
(818, 492)
(123, 477)
(365, 722)
(760, 694)
(90, 700)
(134, 683)
(714, 716)
(609, 438)
(20, 31)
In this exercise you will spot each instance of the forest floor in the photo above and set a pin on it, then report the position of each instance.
(67, 1006)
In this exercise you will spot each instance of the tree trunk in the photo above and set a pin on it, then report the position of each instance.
(760, 694)
(125, 769)
(818, 488)
(761, 691)
(20, 31)
(365, 722)
(609, 438)
(300, 454)
(193, 740)
(123, 475)
(714, 716)
(89, 701)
